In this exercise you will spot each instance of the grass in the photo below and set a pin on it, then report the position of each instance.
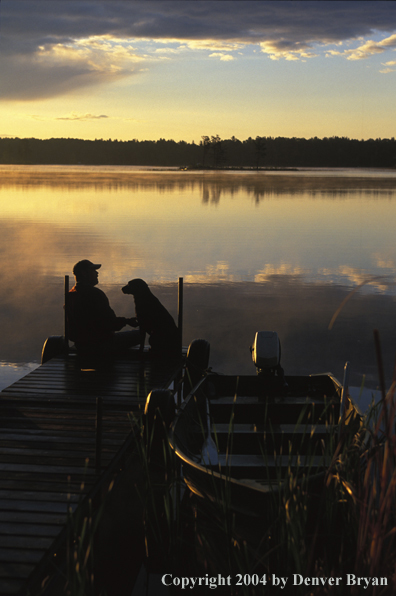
(343, 523)
(81, 528)
(346, 528)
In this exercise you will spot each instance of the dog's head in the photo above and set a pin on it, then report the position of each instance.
(136, 287)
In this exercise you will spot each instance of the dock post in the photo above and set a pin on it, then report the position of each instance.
(180, 310)
(98, 428)
(381, 376)
(65, 331)
(180, 327)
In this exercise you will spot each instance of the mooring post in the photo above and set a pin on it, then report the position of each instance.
(98, 428)
(343, 400)
(381, 376)
(180, 310)
(65, 330)
(180, 327)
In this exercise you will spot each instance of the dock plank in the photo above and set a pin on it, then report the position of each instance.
(15, 570)
(36, 506)
(25, 542)
(11, 586)
(47, 453)
(10, 555)
(32, 496)
(29, 530)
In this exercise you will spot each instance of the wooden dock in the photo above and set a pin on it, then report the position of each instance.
(48, 459)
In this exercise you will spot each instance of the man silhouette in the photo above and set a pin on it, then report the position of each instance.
(92, 323)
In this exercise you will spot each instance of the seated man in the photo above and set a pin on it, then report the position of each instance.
(92, 324)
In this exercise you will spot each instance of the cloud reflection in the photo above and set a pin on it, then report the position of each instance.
(227, 315)
(285, 264)
(211, 185)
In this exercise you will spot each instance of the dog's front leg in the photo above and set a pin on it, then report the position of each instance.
(142, 338)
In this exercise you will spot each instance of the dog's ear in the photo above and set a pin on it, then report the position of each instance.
(138, 287)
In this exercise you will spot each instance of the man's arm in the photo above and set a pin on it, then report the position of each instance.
(103, 315)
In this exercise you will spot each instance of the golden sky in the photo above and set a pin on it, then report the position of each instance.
(182, 69)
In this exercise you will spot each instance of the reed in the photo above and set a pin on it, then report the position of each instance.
(341, 524)
(325, 526)
(159, 496)
(317, 527)
(82, 524)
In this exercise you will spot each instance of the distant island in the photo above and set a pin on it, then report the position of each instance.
(210, 153)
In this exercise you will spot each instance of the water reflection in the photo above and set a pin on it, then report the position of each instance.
(210, 185)
(274, 251)
(159, 234)
(11, 372)
(228, 315)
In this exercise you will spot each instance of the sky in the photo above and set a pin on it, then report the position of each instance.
(183, 69)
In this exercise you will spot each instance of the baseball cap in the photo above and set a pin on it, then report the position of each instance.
(84, 265)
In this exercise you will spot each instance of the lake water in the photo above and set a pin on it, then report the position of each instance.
(257, 251)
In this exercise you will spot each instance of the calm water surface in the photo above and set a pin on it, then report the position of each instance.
(257, 251)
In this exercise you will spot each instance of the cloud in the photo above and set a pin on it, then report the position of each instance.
(286, 49)
(367, 49)
(243, 20)
(212, 45)
(222, 56)
(83, 117)
(59, 67)
(388, 65)
(103, 54)
(75, 117)
(53, 48)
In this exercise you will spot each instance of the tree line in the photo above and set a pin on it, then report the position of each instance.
(210, 152)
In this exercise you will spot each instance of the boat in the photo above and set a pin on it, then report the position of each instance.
(242, 438)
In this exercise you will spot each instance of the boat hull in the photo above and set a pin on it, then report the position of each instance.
(267, 439)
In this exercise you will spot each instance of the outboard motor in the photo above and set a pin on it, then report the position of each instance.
(266, 355)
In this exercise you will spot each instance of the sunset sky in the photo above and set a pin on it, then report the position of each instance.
(182, 69)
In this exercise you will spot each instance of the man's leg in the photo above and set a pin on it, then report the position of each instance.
(126, 339)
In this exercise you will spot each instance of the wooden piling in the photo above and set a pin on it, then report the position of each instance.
(98, 433)
(65, 325)
(180, 310)
(180, 327)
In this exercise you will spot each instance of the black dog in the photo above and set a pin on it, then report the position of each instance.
(153, 318)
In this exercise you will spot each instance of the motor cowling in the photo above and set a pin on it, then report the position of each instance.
(266, 350)
(266, 355)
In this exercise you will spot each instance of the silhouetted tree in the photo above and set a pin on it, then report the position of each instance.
(218, 151)
(260, 148)
(205, 144)
(250, 153)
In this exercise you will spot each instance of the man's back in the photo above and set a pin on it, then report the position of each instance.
(89, 315)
